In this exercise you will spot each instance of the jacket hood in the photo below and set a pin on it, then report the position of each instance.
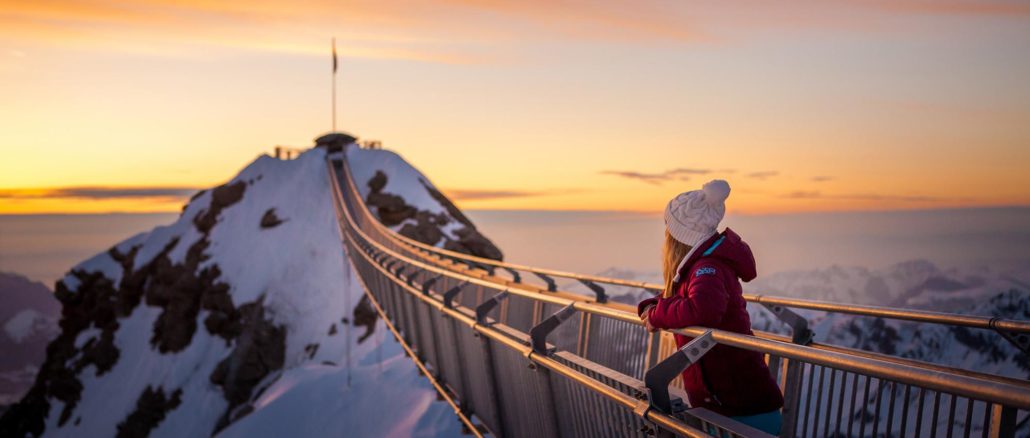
(728, 248)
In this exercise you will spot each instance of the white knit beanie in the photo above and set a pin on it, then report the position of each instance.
(692, 217)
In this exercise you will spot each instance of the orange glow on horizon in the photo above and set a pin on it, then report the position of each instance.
(898, 105)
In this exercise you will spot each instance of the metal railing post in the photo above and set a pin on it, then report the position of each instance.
(657, 378)
(791, 397)
(1003, 421)
(538, 334)
(800, 332)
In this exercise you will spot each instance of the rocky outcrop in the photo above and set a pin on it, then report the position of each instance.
(365, 316)
(270, 220)
(425, 226)
(151, 409)
(260, 350)
(391, 209)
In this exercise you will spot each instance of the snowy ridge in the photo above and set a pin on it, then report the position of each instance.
(915, 284)
(407, 202)
(228, 322)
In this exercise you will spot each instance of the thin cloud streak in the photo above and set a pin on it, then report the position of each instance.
(762, 175)
(483, 195)
(98, 192)
(817, 195)
(678, 174)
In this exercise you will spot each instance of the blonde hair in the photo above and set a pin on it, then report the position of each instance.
(673, 252)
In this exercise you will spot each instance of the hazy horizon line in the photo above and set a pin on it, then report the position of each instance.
(622, 211)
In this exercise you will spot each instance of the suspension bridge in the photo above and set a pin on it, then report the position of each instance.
(515, 356)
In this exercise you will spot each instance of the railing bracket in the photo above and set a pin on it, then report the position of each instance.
(448, 297)
(598, 290)
(516, 277)
(484, 309)
(801, 334)
(538, 334)
(658, 377)
(1020, 340)
(551, 285)
(429, 283)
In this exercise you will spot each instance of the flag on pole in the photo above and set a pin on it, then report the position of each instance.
(334, 55)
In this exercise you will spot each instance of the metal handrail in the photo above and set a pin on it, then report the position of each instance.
(944, 318)
(982, 388)
(352, 231)
(396, 265)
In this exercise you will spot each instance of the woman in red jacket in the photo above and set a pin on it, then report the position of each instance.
(702, 270)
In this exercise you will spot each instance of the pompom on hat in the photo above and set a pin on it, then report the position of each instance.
(693, 217)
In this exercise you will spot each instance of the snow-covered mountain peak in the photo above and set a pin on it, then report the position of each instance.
(198, 327)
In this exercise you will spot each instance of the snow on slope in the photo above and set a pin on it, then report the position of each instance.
(24, 324)
(217, 321)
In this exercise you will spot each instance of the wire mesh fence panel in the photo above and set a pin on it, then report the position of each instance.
(617, 344)
(428, 339)
(407, 308)
(450, 366)
(476, 365)
(838, 403)
(566, 336)
(518, 313)
(470, 296)
(525, 395)
(584, 413)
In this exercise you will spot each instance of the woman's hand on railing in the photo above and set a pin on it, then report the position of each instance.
(645, 317)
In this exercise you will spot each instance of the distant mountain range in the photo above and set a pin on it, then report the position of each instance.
(916, 284)
(28, 319)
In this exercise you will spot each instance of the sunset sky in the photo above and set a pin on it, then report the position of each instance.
(599, 105)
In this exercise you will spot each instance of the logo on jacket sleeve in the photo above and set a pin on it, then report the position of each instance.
(707, 270)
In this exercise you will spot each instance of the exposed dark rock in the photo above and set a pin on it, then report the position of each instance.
(151, 409)
(260, 350)
(221, 197)
(377, 182)
(270, 220)
(426, 229)
(391, 209)
(311, 350)
(332, 330)
(471, 241)
(365, 315)
(334, 141)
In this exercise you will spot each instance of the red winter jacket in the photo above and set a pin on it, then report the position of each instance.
(727, 380)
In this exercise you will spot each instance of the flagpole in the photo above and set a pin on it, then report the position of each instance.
(334, 84)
